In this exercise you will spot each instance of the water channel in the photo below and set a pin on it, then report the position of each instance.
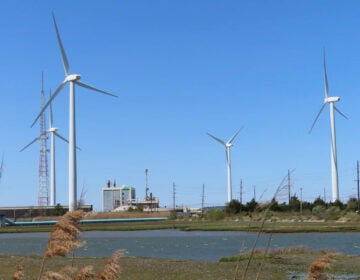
(195, 245)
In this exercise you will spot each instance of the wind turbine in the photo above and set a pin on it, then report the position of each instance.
(72, 79)
(228, 146)
(333, 154)
(53, 132)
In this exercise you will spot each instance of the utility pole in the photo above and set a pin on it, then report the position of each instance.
(241, 191)
(325, 195)
(358, 188)
(202, 199)
(301, 202)
(289, 188)
(174, 191)
(254, 193)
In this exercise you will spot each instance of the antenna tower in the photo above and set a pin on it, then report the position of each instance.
(43, 198)
(146, 184)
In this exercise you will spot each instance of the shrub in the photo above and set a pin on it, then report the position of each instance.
(333, 213)
(319, 211)
(215, 214)
(233, 207)
(352, 204)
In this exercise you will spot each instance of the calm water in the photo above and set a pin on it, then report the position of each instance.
(198, 245)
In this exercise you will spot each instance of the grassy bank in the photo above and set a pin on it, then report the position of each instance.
(278, 265)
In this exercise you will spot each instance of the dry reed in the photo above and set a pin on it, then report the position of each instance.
(316, 268)
(18, 273)
(51, 275)
(85, 273)
(64, 239)
(112, 268)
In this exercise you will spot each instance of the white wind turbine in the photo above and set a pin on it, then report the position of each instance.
(53, 132)
(333, 154)
(72, 79)
(228, 146)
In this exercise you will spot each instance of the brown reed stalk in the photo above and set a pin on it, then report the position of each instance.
(316, 268)
(112, 268)
(254, 247)
(18, 273)
(64, 238)
(85, 273)
(280, 187)
(239, 259)
(50, 275)
(265, 254)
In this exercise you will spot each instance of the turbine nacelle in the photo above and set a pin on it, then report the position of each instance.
(53, 129)
(229, 145)
(331, 99)
(73, 77)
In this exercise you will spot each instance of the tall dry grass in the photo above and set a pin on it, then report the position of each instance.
(278, 192)
(18, 272)
(63, 240)
(317, 267)
(112, 268)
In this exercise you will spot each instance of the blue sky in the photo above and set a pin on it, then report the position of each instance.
(181, 69)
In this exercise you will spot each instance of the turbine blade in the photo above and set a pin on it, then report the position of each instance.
(217, 139)
(61, 137)
(318, 115)
(49, 101)
(64, 139)
(333, 151)
(51, 112)
(32, 142)
(232, 138)
(326, 79)
(63, 54)
(341, 113)
(94, 88)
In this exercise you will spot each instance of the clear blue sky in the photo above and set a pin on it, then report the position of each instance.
(181, 69)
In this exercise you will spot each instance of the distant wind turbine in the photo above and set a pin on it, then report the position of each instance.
(333, 153)
(53, 132)
(227, 145)
(72, 79)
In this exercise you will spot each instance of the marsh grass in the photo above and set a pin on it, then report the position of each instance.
(263, 253)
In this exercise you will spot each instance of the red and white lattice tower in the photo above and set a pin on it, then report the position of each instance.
(43, 199)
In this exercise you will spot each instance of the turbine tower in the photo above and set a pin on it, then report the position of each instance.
(72, 79)
(53, 132)
(228, 146)
(333, 154)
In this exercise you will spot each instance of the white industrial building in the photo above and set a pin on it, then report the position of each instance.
(115, 197)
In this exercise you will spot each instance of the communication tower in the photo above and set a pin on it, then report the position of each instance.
(146, 184)
(43, 198)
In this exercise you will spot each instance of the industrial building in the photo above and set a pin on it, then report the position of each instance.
(121, 198)
(115, 197)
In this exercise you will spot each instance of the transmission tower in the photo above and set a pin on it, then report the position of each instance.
(43, 198)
